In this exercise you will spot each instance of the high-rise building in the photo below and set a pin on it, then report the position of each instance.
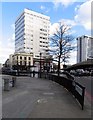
(32, 33)
(84, 48)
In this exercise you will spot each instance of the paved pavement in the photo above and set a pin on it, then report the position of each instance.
(41, 98)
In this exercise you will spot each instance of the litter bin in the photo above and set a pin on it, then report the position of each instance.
(6, 85)
(13, 81)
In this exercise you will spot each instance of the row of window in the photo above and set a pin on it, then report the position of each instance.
(43, 46)
(28, 35)
(29, 43)
(37, 16)
(43, 30)
(25, 58)
(43, 33)
(19, 28)
(18, 33)
(43, 42)
(19, 49)
(19, 40)
(28, 16)
(28, 29)
(20, 18)
(19, 24)
(21, 36)
(25, 63)
(43, 38)
(28, 25)
(28, 48)
(18, 44)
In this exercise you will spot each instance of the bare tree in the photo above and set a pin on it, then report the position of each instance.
(61, 44)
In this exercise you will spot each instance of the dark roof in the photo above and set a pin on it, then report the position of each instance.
(85, 64)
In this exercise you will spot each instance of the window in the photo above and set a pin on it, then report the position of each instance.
(29, 58)
(24, 58)
(20, 62)
(20, 57)
(29, 63)
(24, 62)
(36, 56)
(44, 38)
(17, 62)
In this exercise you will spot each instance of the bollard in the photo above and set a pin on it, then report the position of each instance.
(13, 81)
(6, 85)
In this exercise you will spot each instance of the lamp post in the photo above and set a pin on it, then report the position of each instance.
(40, 64)
(60, 43)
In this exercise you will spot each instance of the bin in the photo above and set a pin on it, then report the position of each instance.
(6, 85)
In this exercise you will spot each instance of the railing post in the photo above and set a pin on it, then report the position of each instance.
(83, 93)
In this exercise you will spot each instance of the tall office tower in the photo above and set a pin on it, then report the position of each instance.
(32, 33)
(84, 48)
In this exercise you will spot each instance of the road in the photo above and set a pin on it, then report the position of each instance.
(86, 81)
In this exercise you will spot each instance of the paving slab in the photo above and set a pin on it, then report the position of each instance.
(41, 98)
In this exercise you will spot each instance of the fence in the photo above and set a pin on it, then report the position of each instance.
(72, 86)
(65, 80)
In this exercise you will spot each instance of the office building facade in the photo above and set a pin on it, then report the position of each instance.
(32, 33)
(84, 48)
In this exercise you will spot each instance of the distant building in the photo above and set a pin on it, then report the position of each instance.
(22, 59)
(32, 33)
(31, 40)
(84, 48)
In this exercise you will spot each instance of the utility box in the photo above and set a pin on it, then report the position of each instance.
(6, 85)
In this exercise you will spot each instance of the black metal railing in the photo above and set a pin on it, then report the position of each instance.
(65, 79)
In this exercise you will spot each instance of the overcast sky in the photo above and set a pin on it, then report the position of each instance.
(76, 14)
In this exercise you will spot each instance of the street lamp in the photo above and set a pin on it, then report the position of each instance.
(40, 64)
(60, 44)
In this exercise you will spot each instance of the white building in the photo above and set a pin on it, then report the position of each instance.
(84, 48)
(32, 33)
(20, 59)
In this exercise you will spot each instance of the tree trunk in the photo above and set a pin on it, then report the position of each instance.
(58, 65)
